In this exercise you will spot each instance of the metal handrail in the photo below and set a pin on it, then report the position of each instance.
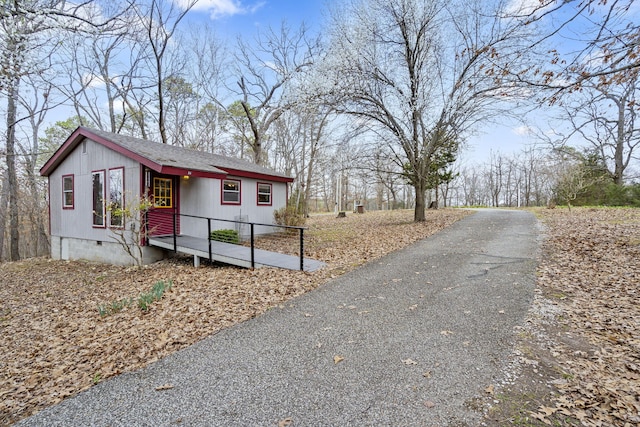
(251, 225)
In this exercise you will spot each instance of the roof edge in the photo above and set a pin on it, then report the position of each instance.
(82, 132)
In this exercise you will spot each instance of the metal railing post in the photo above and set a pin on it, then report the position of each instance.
(302, 249)
(209, 238)
(175, 239)
(253, 253)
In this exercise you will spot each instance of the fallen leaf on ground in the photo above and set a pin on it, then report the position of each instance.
(49, 309)
(409, 362)
(286, 422)
(164, 387)
(337, 359)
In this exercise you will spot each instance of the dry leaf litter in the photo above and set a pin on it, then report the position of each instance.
(54, 343)
(582, 338)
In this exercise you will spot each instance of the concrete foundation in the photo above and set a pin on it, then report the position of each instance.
(67, 248)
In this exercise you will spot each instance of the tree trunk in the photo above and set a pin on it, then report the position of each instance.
(161, 110)
(618, 174)
(421, 204)
(14, 231)
(4, 202)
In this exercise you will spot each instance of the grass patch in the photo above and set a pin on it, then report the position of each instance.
(155, 294)
(143, 301)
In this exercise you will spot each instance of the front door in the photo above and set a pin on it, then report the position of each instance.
(166, 209)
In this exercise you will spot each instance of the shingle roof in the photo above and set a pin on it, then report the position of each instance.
(162, 156)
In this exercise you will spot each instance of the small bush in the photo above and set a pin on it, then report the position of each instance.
(289, 216)
(226, 236)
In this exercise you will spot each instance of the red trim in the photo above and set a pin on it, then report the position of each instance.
(73, 192)
(239, 202)
(270, 194)
(104, 193)
(81, 133)
(175, 171)
(49, 202)
(255, 175)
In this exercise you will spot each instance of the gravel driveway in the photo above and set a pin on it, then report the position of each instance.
(407, 340)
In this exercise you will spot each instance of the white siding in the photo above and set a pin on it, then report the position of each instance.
(202, 197)
(74, 237)
(77, 222)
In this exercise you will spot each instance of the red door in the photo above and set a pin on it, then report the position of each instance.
(166, 209)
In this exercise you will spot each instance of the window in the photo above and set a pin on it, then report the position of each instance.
(116, 197)
(67, 192)
(162, 192)
(230, 192)
(264, 194)
(97, 179)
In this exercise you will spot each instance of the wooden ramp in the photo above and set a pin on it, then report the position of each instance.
(232, 254)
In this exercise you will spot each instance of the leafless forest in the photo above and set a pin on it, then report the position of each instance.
(375, 107)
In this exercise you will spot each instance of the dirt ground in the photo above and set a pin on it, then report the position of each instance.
(66, 326)
(577, 362)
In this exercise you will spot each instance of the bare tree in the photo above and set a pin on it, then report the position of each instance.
(423, 73)
(31, 32)
(495, 176)
(266, 67)
(101, 67)
(36, 108)
(605, 43)
(160, 22)
(208, 60)
(604, 116)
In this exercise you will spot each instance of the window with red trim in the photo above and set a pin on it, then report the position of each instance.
(264, 194)
(231, 192)
(99, 208)
(67, 192)
(116, 197)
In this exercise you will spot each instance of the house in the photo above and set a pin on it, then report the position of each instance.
(94, 170)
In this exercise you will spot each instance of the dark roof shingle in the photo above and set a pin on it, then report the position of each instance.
(163, 155)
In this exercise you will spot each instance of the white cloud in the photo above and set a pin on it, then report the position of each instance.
(522, 7)
(528, 8)
(220, 8)
(93, 80)
(522, 130)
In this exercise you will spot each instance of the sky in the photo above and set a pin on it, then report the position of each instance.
(234, 17)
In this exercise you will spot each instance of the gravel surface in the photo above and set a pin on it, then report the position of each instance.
(410, 339)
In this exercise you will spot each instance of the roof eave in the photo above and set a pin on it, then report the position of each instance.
(172, 170)
(257, 175)
(77, 136)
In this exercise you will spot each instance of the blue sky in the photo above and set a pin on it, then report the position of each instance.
(232, 17)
